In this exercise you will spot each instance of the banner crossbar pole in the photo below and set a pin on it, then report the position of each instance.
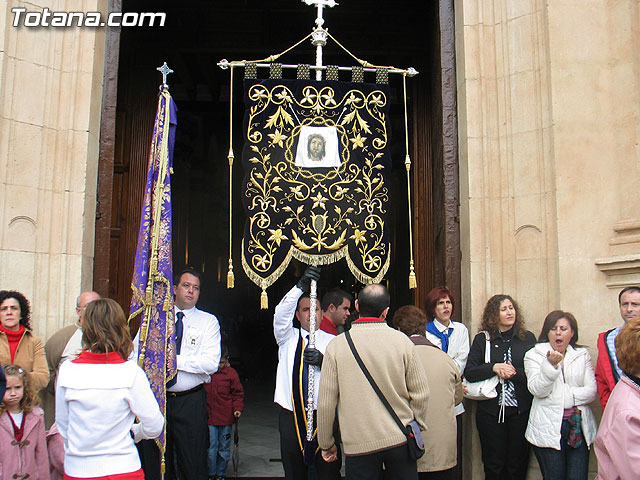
(225, 64)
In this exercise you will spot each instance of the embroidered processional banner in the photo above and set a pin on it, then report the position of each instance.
(151, 285)
(316, 159)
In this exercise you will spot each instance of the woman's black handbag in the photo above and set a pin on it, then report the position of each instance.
(412, 430)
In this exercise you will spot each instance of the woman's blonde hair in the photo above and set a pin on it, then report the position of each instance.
(105, 329)
(30, 397)
(628, 347)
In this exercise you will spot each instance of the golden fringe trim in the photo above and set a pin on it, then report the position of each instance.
(315, 260)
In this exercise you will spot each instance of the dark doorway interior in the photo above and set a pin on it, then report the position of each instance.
(196, 36)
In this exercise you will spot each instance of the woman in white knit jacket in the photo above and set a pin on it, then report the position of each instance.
(561, 378)
(99, 395)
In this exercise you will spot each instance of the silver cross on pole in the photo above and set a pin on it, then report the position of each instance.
(165, 70)
(319, 35)
(319, 39)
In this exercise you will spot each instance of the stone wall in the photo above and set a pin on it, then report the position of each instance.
(549, 102)
(50, 103)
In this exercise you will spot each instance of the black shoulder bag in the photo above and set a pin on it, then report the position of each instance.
(412, 430)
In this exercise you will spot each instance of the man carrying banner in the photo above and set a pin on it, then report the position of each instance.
(291, 386)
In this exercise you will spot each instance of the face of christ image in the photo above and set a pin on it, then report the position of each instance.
(316, 147)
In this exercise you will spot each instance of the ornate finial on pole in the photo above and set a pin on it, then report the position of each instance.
(319, 5)
(165, 70)
(319, 36)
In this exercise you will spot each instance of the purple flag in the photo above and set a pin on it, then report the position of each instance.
(152, 276)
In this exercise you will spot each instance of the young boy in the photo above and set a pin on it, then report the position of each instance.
(225, 402)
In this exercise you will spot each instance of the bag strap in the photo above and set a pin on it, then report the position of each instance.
(487, 348)
(373, 383)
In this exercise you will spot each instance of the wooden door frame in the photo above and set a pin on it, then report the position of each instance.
(435, 170)
(101, 261)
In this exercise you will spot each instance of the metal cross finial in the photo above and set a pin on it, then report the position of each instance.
(319, 35)
(165, 70)
(319, 5)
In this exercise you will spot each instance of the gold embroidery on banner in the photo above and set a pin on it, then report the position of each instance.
(326, 209)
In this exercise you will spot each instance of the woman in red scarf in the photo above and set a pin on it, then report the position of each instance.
(18, 344)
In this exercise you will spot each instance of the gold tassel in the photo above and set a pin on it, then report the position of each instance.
(407, 165)
(413, 283)
(264, 300)
(230, 277)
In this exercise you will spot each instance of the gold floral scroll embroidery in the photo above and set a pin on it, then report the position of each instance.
(316, 158)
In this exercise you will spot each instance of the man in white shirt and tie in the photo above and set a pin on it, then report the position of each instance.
(198, 356)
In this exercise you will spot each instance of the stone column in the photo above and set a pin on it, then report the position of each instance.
(548, 101)
(50, 101)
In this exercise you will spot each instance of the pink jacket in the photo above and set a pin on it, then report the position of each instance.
(55, 445)
(619, 434)
(28, 457)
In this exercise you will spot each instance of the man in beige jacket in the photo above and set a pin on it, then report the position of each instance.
(371, 438)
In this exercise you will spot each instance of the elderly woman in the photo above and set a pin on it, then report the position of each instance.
(561, 378)
(502, 421)
(18, 345)
(619, 435)
(445, 387)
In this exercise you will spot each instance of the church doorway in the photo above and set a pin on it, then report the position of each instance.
(197, 35)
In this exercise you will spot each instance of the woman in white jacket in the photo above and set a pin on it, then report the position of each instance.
(99, 395)
(561, 378)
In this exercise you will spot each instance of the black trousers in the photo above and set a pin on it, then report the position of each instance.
(396, 462)
(187, 435)
(187, 440)
(505, 451)
(456, 473)
(441, 475)
(292, 459)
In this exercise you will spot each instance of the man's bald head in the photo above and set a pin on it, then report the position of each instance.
(83, 300)
(373, 301)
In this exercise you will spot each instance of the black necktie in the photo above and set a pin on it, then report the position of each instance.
(179, 330)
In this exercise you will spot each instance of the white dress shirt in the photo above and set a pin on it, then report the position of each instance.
(73, 348)
(458, 347)
(200, 351)
(287, 338)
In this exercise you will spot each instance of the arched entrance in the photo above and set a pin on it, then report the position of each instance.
(196, 36)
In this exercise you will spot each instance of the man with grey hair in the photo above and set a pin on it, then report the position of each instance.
(62, 344)
(74, 345)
